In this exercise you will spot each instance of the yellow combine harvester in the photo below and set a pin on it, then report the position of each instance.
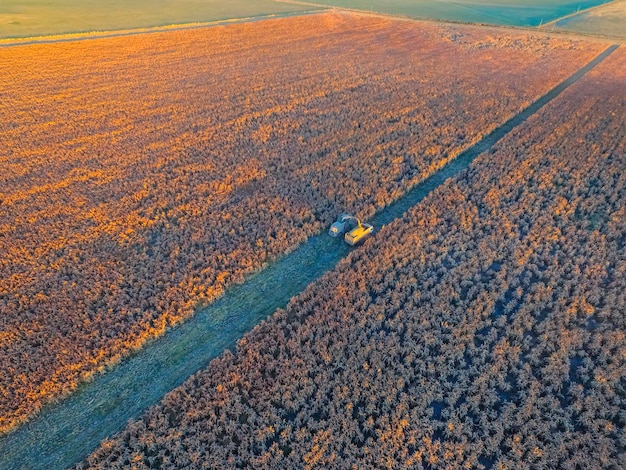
(354, 230)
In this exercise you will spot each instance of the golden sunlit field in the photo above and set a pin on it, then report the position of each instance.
(483, 329)
(140, 176)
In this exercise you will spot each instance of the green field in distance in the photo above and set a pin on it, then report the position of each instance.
(502, 12)
(29, 18)
(607, 20)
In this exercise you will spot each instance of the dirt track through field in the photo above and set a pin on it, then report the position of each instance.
(66, 433)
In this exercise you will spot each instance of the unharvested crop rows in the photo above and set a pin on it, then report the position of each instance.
(484, 329)
(139, 176)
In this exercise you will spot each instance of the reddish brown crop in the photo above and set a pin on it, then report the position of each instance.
(140, 175)
(484, 329)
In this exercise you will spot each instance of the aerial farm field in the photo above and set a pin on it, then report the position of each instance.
(142, 175)
(502, 12)
(484, 329)
(608, 20)
(19, 19)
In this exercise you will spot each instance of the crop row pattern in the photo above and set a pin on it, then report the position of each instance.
(141, 175)
(484, 329)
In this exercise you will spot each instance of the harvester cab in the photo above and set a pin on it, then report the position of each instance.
(344, 223)
(354, 230)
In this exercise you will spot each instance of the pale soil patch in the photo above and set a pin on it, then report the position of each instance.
(608, 20)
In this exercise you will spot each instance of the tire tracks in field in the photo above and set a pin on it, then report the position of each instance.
(64, 434)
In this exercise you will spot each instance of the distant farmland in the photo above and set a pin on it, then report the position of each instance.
(607, 20)
(503, 12)
(20, 18)
(140, 176)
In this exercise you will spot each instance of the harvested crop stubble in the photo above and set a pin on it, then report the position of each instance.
(484, 329)
(141, 175)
